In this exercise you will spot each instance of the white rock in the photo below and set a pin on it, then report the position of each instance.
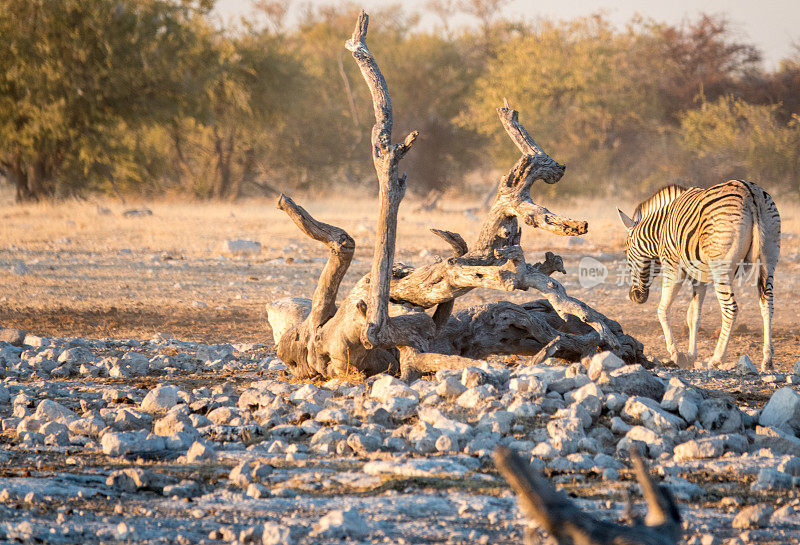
(160, 399)
(604, 361)
(174, 423)
(496, 421)
(447, 443)
(332, 415)
(49, 410)
(777, 440)
(565, 434)
(633, 380)
(755, 516)
(475, 397)
(782, 410)
(615, 402)
(744, 366)
(520, 407)
(275, 534)
(699, 449)
(646, 411)
(364, 443)
(134, 442)
(678, 392)
(340, 524)
(401, 408)
(88, 425)
(720, 415)
(435, 418)
(450, 386)
(200, 452)
(683, 489)
(76, 356)
(418, 467)
(688, 409)
(242, 247)
(656, 443)
(312, 394)
(618, 425)
(388, 387)
(249, 472)
(771, 479)
(790, 466)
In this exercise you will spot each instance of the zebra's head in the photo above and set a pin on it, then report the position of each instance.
(639, 257)
(641, 245)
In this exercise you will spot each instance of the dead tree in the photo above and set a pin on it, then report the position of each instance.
(382, 325)
(553, 511)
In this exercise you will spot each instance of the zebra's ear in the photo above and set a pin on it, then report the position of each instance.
(626, 221)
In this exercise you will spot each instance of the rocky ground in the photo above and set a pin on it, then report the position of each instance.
(169, 441)
(122, 421)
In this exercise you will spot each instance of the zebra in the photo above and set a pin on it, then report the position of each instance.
(705, 235)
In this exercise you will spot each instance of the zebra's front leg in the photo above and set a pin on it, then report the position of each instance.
(671, 283)
(693, 317)
(728, 307)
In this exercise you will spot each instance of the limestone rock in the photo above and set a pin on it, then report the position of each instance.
(604, 361)
(782, 410)
(340, 524)
(633, 380)
(755, 516)
(160, 399)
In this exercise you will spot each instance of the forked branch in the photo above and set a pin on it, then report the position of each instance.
(341, 246)
(392, 187)
(555, 513)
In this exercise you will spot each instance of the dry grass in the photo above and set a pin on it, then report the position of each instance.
(105, 274)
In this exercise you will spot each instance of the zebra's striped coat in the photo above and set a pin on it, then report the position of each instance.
(705, 235)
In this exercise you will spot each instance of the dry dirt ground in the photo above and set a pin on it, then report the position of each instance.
(85, 269)
(93, 271)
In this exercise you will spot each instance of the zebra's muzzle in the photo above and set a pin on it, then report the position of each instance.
(638, 295)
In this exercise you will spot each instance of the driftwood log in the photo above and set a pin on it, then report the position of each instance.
(554, 513)
(398, 319)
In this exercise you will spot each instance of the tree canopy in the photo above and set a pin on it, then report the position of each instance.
(159, 96)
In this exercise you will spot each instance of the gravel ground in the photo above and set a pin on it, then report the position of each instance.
(168, 441)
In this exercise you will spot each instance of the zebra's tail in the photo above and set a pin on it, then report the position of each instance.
(766, 238)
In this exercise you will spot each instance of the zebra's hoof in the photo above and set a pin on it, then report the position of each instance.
(712, 363)
(766, 366)
(680, 359)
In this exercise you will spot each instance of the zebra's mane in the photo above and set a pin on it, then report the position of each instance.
(657, 201)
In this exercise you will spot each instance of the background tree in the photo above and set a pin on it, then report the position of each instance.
(78, 75)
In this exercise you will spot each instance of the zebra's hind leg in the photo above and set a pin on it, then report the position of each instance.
(671, 284)
(693, 317)
(765, 304)
(728, 307)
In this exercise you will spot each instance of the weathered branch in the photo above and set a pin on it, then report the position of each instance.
(341, 246)
(392, 187)
(552, 263)
(538, 216)
(555, 513)
(524, 141)
(454, 240)
(565, 305)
